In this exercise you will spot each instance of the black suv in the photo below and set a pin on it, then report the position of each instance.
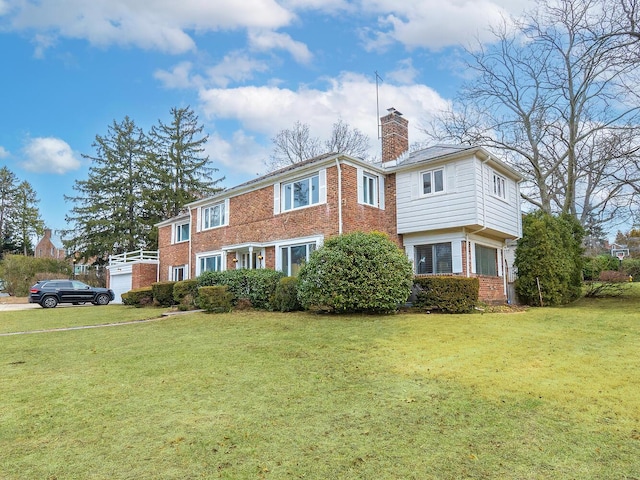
(49, 293)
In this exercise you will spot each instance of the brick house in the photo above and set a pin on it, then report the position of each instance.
(49, 246)
(453, 209)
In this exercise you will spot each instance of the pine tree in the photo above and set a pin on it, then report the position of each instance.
(26, 220)
(110, 215)
(178, 169)
(8, 187)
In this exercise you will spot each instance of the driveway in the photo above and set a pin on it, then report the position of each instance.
(6, 307)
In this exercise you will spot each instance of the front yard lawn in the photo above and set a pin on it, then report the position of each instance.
(544, 394)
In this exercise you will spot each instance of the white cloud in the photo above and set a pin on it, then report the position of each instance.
(49, 155)
(405, 74)
(160, 25)
(242, 156)
(435, 24)
(4, 153)
(178, 77)
(235, 67)
(268, 40)
(265, 110)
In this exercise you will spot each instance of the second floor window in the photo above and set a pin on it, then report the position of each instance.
(301, 193)
(499, 187)
(214, 216)
(370, 189)
(182, 232)
(432, 182)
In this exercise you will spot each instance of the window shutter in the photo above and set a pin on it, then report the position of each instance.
(173, 233)
(416, 187)
(199, 219)
(276, 199)
(500, 260)
(359, 182)
(381, 192)
(456, 256)
(322, 185)
(226, 211)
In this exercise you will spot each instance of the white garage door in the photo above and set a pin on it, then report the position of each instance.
(120, 283)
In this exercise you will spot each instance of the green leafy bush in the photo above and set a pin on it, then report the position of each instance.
(185, 294)
(592, 266)
(285, 298)
(447, 294)
(256, 286)
(631, 266)
(356, 272)
(549, 259)
(20, 273)
(138, 297)
(215, 299)
(163, 293)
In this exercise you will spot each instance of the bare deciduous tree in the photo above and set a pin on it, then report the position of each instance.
(557, 95)
(291, 146)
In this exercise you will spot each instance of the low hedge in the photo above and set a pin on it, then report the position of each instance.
(163, 293)
(257, 286)
(446, 294)
(285, 298)
(185, 294)
(215, 299)
(139, 297)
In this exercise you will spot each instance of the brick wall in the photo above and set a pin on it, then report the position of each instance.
(143, 274)
(252, 220)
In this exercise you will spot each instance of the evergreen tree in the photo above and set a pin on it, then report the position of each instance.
(109, 216)
(178, 169)
(549, 259)
(8, 187)
(26, 221)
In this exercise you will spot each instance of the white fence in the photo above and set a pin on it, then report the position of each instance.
(137, 256)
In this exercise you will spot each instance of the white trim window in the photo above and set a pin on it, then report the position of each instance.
(369, 189)
(178, 273)
(486, 260)
(432, 181)
(182, 231)
(499, 186)
(301, 193)
(214, 216)
(210, 263)
(293, 257)
(434, 258)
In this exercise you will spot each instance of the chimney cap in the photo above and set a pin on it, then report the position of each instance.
(393, 110)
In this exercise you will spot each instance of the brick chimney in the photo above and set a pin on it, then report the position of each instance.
(395, 135)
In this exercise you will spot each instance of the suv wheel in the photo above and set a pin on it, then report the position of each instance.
(102, 299)
(49, 302)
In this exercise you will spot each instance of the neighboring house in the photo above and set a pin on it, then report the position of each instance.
(50, 246)
(453, 209)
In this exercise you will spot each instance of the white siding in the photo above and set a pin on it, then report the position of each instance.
(454, 207)
(467, 201)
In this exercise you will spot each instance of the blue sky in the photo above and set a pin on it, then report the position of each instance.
(248, 68)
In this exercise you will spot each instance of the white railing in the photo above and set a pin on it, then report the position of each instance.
(137, 256)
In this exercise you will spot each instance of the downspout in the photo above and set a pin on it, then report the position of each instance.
(339, 196)
(484, 217)
(190, 235)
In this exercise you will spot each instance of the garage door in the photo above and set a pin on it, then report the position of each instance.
(120, 283)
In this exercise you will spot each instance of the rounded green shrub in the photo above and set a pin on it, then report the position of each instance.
(356, 272)
(549, 259)
(285, 298)
(138, 297)
(215, 299)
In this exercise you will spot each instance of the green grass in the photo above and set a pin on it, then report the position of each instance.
(548, 393)
(65, 317)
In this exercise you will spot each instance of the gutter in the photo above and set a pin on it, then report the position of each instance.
(339, 196)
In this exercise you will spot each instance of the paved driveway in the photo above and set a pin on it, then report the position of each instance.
(5, 307)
